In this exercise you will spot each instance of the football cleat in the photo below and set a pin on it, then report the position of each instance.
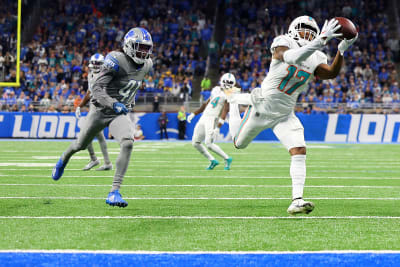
(212, 165)
(105, 167)
(91, 164)
(300, 206)
(115, 199)
(58, 170)
(228, 163)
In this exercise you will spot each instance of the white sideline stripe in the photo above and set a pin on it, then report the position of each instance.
(193, 177)
(205, 198)
(204, 217)
(75, 251)
(209, 185)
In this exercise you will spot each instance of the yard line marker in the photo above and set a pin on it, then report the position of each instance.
(69, 251)
(203, 198)
(210, 185)
(204, 217)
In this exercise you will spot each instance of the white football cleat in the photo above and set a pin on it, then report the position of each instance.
(91, 164)
(300, 206)
(105, 167)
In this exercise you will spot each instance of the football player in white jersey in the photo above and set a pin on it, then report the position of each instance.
(296, 59)
(214, 113)
(95, 63)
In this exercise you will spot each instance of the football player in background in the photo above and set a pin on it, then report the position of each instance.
(207, 128)
(95, 63)
(296, 59)
(113, 93)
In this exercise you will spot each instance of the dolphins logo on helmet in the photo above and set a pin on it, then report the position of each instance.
(138, 44)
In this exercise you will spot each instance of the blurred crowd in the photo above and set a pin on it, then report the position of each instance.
(54, 66)
(369, 76)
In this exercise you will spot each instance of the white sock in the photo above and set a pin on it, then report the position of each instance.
(216, 149)
(298, 174)
(203, 151)
(234, 119)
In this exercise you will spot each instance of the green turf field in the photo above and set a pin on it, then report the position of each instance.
(176, 205)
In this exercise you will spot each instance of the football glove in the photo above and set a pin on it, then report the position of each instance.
(78, 113)
(329, 31)
(190, 117)
(345, 44)
(120, 108)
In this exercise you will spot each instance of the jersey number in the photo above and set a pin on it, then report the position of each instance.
(129, 90)
(300, 75)
(214, 103)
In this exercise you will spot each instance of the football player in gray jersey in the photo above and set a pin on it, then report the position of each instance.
(95, 63)
(113, 93)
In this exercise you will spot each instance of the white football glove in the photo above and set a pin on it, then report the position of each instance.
(190, 117)
(345, 44)
(328, 31)
(78, 113)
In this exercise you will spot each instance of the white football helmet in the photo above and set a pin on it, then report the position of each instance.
(95, 62)
(227, 81)
(305, 24)
(138, 44)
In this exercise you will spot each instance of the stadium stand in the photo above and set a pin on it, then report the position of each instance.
(368, 81)
(54, 63)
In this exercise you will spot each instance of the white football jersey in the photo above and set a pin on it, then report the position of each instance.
(216, 104)
(284, 82)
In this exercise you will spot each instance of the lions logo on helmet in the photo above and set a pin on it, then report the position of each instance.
(227, 81)
(138, 44)
(95, 62)
(303, 29)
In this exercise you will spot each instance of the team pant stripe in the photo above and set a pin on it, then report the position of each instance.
(244, 120)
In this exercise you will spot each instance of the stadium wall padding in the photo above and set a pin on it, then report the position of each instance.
(367, 128)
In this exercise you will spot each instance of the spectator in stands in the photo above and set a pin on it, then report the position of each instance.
(156, 104)
(205, 83)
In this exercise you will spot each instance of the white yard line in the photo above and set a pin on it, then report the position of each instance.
(190, 176)
(204, 217)
(75, 251)
(205, 198)
(209, 185)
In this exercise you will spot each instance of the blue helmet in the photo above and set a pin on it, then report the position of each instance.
(95, 62)
(138, 44)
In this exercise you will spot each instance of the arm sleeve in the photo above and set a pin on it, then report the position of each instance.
(298, 55)
(99, 92)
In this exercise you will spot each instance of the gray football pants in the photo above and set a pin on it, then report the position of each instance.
(121, 128)
(103, 147)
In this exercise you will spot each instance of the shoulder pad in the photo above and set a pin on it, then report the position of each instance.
(111, 60)
(281, 40)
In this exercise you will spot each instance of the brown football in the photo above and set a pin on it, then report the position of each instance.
(348, 28)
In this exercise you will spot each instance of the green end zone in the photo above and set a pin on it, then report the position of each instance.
(17, 82)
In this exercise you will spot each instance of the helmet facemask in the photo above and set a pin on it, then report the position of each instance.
(95, 65)
(227, 84)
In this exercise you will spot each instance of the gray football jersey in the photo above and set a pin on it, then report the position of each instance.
(91, 78)
(118, 81)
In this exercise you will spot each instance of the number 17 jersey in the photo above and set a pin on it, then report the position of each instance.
(284, 82)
